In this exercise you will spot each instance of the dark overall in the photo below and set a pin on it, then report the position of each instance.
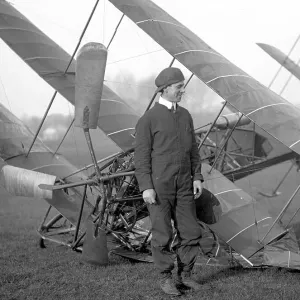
(167, 160)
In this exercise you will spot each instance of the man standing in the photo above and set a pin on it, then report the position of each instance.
(168, 171)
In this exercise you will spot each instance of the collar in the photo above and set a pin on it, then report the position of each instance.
(166, 103)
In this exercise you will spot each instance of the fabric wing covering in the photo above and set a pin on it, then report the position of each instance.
(282, 59)
(50, 61)
(268, 110)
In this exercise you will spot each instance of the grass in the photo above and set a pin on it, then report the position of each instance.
(28, 272)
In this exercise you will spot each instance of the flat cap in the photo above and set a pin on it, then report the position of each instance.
(167, 77)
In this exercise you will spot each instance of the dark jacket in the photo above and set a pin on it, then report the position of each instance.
(163, 138)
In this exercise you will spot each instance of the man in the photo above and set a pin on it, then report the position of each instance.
(168, 171)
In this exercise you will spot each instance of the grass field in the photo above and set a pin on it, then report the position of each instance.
(28, 272)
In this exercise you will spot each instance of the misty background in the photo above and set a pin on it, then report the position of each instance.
(202, 103)
(134, 60)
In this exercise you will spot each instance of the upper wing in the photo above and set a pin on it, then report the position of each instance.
(268, 110)
(15, 137)
(50, 61)
(282, 59)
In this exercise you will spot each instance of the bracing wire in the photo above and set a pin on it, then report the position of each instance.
(116, 62)
(254, 210)
(137, 29)
(136, 56)
(5, 94)
(288, 80)
(134, 84)
(82, 35)
(281, 66)
(65, 72)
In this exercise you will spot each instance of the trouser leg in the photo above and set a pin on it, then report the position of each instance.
(162, 233)
(189, 231)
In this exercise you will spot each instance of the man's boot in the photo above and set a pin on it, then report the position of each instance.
(168, 286)
(186, 279)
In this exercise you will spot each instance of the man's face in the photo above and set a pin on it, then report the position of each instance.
(175, 91)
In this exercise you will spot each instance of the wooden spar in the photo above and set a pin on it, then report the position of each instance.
(84, 182)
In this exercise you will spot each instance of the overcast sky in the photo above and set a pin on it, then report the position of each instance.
(231, 27)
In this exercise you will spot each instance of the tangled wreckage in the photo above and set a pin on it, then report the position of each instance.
(262, 131)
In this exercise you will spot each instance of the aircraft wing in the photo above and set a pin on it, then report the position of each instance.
(282, 59)
(15, 140)
(50, 61)
(264, 107)
(273, 114)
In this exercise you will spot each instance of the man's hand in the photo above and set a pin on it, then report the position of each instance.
(149, 196)
(197, 188)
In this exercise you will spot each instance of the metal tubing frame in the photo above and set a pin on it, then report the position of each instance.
(44, 219)
(91, 165)
(232, 159)
(80, 214)
(294, 215)
(242, 155)
(220, 165)
(51, 222)
(103, 201)
(283, 178)
(75, 244)
(55, 241)
(220, 148)
(59, 231)
(212, 125)
(225, 142)
(282, 212)
(122, 154)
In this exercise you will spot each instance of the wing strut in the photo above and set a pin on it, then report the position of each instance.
(188, 81)
(115, 32)
(225, 142)
(66, 70)
(42, 122)
(281, 213)
(64, 136)
(291, 50)
(212, 125)
(288, 80)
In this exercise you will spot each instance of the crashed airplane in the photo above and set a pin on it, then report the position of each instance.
(262, 131)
